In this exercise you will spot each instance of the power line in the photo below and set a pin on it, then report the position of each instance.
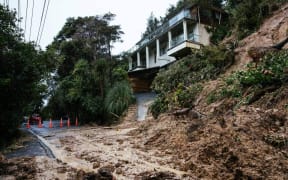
(19, 15)
(31, 20)
(44, 22)
(27, 4)
(43, 10)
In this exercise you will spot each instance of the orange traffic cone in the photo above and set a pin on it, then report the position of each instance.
(68, 122)
(40, 123)
(76, 123)
(28, 124)
(61, 123)
(50, 123)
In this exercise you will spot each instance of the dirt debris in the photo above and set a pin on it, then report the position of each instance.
(249, 142)
(17, 168)
(237, 151)
(156, 176)
(271, 32)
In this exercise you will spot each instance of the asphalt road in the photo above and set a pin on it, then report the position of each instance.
(34, 147)
(31, 148)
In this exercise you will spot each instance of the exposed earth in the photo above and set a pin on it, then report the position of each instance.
(246, 144)
(212, 141)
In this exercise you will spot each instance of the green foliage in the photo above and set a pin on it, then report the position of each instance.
(152, 24)
(87, 92)
(118, 98)
(184, 96)
(88, 38)
(86, 71)
(180, 83)
(167, 80)
(22, 69)
(119, 74)
(160, 105)
(246, 16)
(204, 64)
(272, 71)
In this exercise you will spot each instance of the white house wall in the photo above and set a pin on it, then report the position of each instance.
(204, 35)
(152, 56)
(201, 36)
(165, 59)
(160, 61)
(196, 32)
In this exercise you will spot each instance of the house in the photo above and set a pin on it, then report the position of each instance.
(172, 40)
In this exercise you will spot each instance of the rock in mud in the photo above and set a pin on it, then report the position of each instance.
(106, 172)
(119, 171)
(96, 165)
(157, 175)
(62, 170)
(20, 168)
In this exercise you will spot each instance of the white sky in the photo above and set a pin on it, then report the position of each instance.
(131, 15)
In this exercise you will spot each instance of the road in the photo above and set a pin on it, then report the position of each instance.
(31, 145)
(114, 148)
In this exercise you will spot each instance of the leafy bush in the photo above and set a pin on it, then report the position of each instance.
(160, 105)
(179, 85)
(184, 96)
(203, 64)
(118, 98)
(272, 71)
(246, 16)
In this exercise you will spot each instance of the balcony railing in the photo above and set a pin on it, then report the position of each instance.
(137, 67)
(185, 13)
(179, 39)
(194, 37)
(181, 15)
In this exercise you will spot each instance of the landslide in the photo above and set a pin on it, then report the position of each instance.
(272, 31)
(228, 139)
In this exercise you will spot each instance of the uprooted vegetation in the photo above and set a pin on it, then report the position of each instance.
(243, 132)
(240, 131)
(248, 143)
(179, 85)
(248, 86)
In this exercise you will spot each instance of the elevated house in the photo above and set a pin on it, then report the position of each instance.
(172, 40)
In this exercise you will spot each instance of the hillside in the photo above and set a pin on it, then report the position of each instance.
(272, 31)
(220, 114)
(232, 137)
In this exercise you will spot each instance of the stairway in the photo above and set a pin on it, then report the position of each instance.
(131, 114)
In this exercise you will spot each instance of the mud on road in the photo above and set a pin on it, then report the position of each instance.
(109, 150)
(92, 152)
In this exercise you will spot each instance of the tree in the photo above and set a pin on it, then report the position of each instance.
(85, 71)
(95, 31)
(246, 16)
(152, 24)
(21, 72)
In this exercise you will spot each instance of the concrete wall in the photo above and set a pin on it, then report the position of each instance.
(204, 35)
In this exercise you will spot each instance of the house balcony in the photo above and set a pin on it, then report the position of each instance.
(180, 46)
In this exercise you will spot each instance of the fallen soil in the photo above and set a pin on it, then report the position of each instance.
(94, 153)
(272, 31)
(247, 142)
(90, 149)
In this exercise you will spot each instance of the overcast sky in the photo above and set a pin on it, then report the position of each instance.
(132, 15)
